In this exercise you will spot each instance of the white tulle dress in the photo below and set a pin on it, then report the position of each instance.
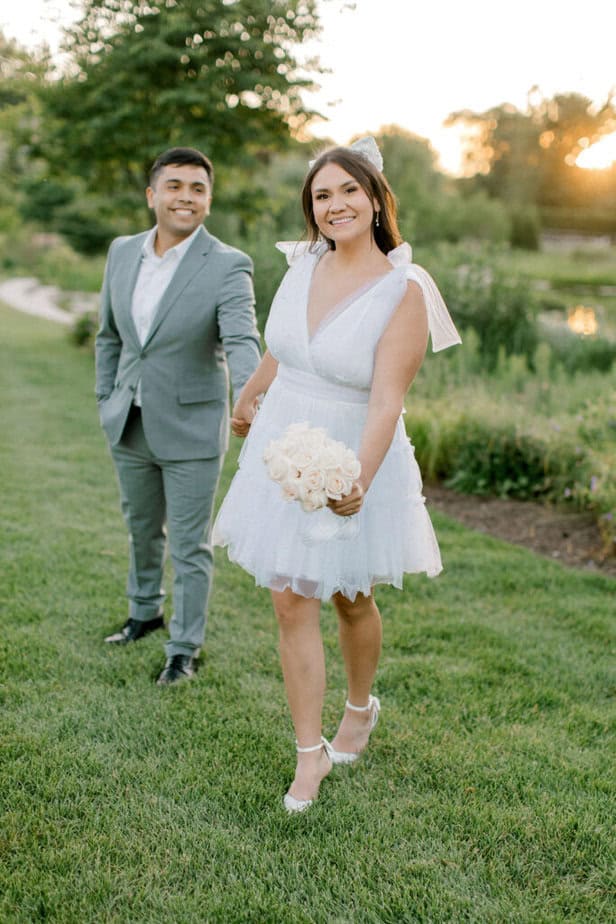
(325, 380)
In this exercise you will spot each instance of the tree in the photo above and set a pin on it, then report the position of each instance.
(430, 205)
(527, 159)
(21, 75)
(219, 76)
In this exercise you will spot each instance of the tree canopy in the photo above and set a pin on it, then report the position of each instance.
(530, 156)
(142, 77)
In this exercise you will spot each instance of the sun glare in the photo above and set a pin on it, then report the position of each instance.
(599, 156)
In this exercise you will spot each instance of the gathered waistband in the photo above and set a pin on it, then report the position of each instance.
(317, 387)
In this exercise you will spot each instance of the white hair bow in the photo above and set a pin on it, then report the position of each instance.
(366, 147)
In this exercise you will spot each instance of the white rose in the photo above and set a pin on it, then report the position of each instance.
(304, 457)
(290, 489)
(336, 485)
(279, 468)
(351, 466)
(327, 458)
(312, 479)
(312, 500)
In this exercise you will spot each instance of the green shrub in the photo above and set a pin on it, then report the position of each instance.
(84, 329)
(484, 297)
(87, 230)
(42, 197)
(525, 228)
(487, 450)
(577, 353)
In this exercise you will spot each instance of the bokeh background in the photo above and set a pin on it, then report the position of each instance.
(498, 131)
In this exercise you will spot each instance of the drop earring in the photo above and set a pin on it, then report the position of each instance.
(377, 220)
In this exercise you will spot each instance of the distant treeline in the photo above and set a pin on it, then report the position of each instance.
(75, 146)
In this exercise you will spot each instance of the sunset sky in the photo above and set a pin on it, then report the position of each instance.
(412, 63)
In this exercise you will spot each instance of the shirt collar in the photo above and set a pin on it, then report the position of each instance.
(178, 251)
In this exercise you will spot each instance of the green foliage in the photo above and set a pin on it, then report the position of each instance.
(577, 353)
(598, 219)
(42, 197)
(528, 157)
(486, 794)
(525, 228)
(84, 329)
(51, 260)
(430, 205)
(547, 434)
(85, 226)
(484, 297)
(21, 74)
(147, 76)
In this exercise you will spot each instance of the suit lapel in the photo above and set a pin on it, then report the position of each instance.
(189, 265)
(133, 256)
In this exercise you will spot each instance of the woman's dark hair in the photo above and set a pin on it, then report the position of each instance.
(177, 157)
(386, 235)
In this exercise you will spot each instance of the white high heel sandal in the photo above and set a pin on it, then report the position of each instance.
(292, 804)
(373, 707)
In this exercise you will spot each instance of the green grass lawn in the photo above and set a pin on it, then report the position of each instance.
(487, 794)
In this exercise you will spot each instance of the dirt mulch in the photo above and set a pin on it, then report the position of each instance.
(571, 538)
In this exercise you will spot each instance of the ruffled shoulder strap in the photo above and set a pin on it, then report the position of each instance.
(442, 329)
(295, 250)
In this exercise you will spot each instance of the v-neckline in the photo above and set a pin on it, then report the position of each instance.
(339, 307)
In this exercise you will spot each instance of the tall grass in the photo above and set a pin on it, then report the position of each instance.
(487, 791)
(543, 433)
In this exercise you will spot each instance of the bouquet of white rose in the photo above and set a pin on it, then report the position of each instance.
(312, 468)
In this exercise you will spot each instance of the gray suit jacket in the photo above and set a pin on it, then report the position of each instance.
(205, 320)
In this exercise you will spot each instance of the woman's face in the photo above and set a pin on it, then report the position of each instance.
(342, 209)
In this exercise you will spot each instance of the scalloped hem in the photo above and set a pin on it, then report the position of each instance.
(304, 586)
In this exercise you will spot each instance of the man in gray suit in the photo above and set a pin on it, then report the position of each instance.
(177, 312)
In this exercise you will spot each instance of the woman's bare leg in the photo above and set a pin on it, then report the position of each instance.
(303, 669)
(360, 633)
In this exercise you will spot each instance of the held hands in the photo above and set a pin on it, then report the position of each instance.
(242, 416)
(350, 503)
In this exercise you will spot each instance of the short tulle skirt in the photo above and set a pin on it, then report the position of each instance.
(267, 535)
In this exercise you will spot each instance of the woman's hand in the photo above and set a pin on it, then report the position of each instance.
(350, 503)
(243, 415)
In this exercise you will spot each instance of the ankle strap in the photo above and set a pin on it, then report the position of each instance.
(314, 747)
(359, 708)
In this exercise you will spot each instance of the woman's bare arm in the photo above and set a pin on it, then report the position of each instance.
(246, 405)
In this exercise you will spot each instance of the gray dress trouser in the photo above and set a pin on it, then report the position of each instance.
(155, 492)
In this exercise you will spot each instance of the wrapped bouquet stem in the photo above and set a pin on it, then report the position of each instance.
(311, 469)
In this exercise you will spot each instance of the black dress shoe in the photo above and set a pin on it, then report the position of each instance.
(134, 629)
(178, 667)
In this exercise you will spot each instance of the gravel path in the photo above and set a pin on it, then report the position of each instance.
(28, 295)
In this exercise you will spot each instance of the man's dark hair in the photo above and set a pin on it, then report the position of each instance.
(178, 157)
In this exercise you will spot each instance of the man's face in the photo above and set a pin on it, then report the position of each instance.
(181, 198)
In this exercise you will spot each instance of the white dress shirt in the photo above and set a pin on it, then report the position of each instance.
(155, 274)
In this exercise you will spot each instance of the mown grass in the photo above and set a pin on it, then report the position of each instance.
(487, 793)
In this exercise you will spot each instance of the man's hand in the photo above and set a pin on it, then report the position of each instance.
(242, 416)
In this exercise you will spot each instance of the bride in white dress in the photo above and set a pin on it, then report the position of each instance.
(346, 335)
